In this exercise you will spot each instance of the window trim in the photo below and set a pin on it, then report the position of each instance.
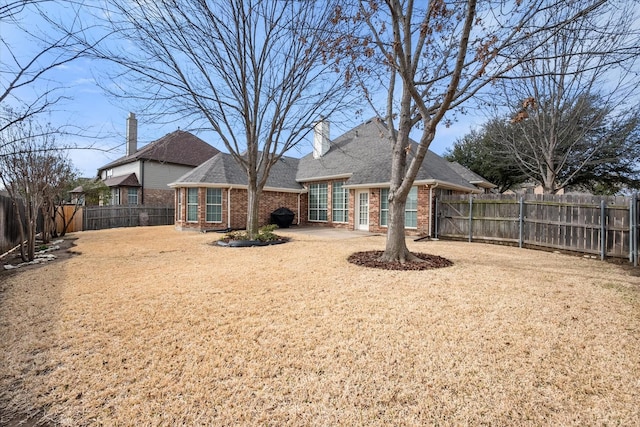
(130, 191)
(414, 189)
(192, 204)
(321, 192)
(343, 196)
(179, 205)
(209, 205)
(384, 208)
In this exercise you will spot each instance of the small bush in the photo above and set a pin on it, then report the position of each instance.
(265, 234)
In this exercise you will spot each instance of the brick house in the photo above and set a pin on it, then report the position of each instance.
(142, 176)
(343, 183)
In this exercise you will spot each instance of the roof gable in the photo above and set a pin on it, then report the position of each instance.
(178, 147)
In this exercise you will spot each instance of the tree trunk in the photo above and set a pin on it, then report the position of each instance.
(21, 223)
(253, 211)
(396, 248)
(32, 220)
(48, 223)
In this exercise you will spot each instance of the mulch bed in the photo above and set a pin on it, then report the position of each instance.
(63, 249)
(372, 259)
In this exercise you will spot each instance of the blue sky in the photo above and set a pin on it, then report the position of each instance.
(88, 107)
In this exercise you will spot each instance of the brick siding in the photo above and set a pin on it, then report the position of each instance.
(272, 200)
(269, 202)
(158, 197)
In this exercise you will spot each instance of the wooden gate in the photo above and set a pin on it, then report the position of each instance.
(71, 215)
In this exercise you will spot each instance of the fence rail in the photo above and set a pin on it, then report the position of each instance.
(102, 217)
(604, 226)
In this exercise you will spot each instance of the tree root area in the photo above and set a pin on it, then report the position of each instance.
(372, 259)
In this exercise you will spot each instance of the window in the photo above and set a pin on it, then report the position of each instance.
(318, 202)
(384, 206)
(192, 204)
(214, 205)
(410, 210)
(115, 192)
(340, 203)
(179, 211)
(132, 196)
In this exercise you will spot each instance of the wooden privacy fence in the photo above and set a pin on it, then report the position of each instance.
(9, 224)
(600, 225)
(70, 215)
(101, 217)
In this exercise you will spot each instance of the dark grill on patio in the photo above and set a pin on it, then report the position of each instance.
(282, 217)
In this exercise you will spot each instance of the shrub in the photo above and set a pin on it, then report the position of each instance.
(265, 234)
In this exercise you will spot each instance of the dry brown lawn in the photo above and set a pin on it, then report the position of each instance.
(151, 326)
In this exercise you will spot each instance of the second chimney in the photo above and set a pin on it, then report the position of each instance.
(321, 143)
(132, 134)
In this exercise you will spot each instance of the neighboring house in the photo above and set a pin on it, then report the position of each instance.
(344, 183)
(538, 189)
(141, 176)
(77, 196)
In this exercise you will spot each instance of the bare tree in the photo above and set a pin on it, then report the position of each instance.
(253, 71)
(25, 76)
(591, 151)
(31, 164)
(438, 56)
(574, 107)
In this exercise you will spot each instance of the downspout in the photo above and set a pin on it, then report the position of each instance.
(142, 182)
(299, 195)
(431, 216)
(229, 208)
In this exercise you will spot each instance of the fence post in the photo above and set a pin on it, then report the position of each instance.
(521, 223)
(603, 229)
(470, 217)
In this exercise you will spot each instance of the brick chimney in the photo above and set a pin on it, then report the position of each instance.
(132, 134)
(321, 143)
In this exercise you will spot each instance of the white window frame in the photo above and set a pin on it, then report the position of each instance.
(132, 196)
(192, 206)
(339, 202)
(116, 196)
(213, 205)
(411, 208)
(318, 202)
(179, 205)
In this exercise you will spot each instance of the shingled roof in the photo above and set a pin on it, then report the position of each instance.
(178, 147)
(471, 176)
(363, 154)
(362, 157)
(129, 180)
(222, 169)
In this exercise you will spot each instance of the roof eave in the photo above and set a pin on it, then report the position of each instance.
(483, 184)
(232, 187)
(430, 182)
(326, 178)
